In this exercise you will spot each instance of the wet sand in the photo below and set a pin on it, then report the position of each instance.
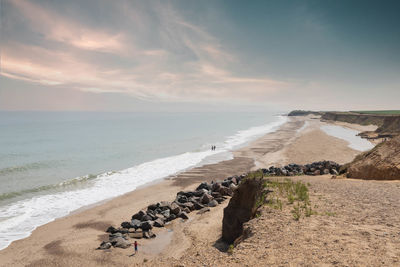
(71, 241)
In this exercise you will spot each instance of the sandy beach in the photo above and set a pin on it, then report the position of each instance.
(71, 240)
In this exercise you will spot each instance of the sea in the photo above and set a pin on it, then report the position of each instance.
(53, 163)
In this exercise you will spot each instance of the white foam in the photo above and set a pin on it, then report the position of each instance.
(19, 219)
(349, 135)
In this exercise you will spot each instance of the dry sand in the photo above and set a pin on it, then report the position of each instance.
(71, 241)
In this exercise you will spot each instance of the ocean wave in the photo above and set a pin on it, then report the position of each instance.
(62, 185)
(25, 167)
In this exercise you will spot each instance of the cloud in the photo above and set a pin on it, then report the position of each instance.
(158, 56)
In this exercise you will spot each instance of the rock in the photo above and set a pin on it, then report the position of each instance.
(206, 198)
(123, 230)
(105, 245)
(137, 235)
(215, 187)
(135, 223)
(145, 226)
(146, 218)
(182, 199)
(160, 216)
(317, 172)
(152, 207)
(187, 194)
(325, 171)
(175, 209)
(198, 206)
(200, 192)
(216, 194)
(213, 203)
(226, 183)
(148, 234)
(203, 210)
(159, 223)
(225, 191)
(139, 215)
(234, 181)
(166, 213)
(164, 205)
(111, 236)
(187, 210)
(334, 172)
(126, 225)
(188, 205)
(111, 230)
(120, 242)
(171, 217)
(333, 177)
(220, 200)
(204, 185)
(232, 187)
(184, 216)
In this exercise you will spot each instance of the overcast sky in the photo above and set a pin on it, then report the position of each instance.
(199, 55)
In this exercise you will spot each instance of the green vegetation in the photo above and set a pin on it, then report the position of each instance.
(230, 249)
(296, 194)
(379, 112)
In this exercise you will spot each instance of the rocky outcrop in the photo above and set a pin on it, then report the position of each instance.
(381, 163)
(315, 168)
(304, 113)
(241, 208)
(388, 125)
(159, 214)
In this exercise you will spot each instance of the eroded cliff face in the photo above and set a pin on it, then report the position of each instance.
(361, 119)
(241, 208)
(381, 163)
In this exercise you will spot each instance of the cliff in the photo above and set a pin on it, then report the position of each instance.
(381, 163)
(242, 207)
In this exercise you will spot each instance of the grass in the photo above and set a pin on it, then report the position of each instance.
(230, 249)
(296, 194)
(379, 112)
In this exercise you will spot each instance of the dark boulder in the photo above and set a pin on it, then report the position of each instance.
(145, 226)
(159, 223)
(111, 230)
(126, 225)
(139, 215)
(206, 198)
(105, 245)
(213, 203)
(183, 215)
(175, 209)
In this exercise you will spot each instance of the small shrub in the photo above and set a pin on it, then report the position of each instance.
(230, 249)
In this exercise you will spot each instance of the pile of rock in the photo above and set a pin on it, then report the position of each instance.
(315, 168)
(141, 224)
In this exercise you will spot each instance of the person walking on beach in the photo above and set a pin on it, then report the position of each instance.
(135, 244)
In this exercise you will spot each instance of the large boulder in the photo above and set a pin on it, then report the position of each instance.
(105, 245)
(145, 226)
(175, 209)
(159, 223)
(139, 215)
(120, 242)
(206, 198)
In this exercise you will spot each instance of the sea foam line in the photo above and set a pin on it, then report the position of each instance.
(19, 219)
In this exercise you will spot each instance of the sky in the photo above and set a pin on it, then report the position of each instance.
(209, 55)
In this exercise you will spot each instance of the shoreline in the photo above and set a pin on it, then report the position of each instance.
(93, 220)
